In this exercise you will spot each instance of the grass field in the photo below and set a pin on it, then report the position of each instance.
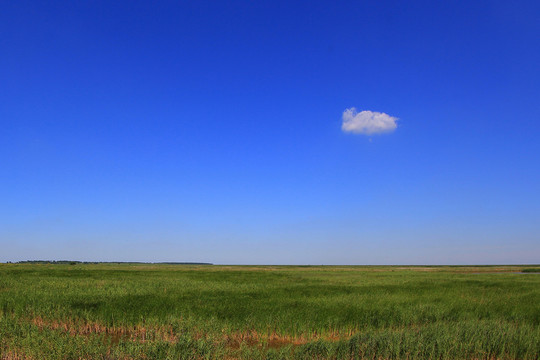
(140, 311)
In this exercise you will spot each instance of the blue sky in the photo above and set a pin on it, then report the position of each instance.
(212, 131)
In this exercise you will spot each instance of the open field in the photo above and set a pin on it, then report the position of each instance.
(142, 311)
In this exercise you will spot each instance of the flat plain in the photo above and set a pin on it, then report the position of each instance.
(146, 311)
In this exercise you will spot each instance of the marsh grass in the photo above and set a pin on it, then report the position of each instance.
(139, 311)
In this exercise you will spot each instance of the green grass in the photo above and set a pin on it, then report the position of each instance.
(531, 270)
(133, 311)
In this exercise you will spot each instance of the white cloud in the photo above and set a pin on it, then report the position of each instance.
(367, 122)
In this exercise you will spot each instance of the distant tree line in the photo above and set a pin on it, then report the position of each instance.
(72, 262)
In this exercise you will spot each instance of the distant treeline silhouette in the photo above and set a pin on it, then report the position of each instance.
(72, 262)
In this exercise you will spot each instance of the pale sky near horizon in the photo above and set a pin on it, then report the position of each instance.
(270, 132)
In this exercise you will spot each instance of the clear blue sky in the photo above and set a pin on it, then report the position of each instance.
(211, 131)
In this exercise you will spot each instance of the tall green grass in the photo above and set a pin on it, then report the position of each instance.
(183, 312)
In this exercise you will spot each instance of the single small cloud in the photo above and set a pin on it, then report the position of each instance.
(367, 122)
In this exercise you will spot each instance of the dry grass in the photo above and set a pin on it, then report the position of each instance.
(234, 340)
(11, 355)
(114, 334)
